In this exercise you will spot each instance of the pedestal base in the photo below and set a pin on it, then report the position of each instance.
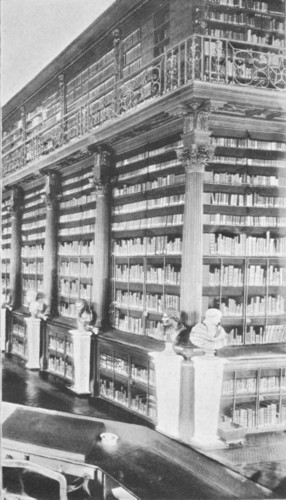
(168, 382)
(3, 329)
(33, 341)
(204, 443)
(81, 359)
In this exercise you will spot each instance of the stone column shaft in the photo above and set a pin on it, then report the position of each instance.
(15, 262)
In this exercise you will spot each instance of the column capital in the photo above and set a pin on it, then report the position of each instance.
(195, 158)
(52, 189)
(15, 202)
(101, 170)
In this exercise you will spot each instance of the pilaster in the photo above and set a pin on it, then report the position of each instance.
(15, 208)
(194, 155)
(51, 195)
(101, 184)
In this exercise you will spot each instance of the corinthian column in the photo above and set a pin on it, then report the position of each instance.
(194, 156)
(51, 197)
(101, 235)
(15, 208)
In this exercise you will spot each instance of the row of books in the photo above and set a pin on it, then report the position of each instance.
(61, 366)
(74, 289)
(150, 302)
(19, 328)
(60, 345)
(243, 245)
(162, 181)
(35, 284)
(87, 214)
(79, 230)
(132, 39)
(243, 179)
(171, 146)
(131, 68)
(165, 201)
(225, 276)
(35, 236)
(40, 223)
(256, 162)
(250, 385)
(129, 324)
(150, 222)
(115, 363)
(34, 213)
(169, 275)
(33, 251)
(268, 334)
(74, 268)
(260, 21)
(244, 36)
(267, 415)
(270, 305)
(76, 248)
(244, 4)
(132, 54)
(242, 200)
(244, 220)
(234, 142)
(76, 178)
(158, 245)
(156, 167)
(77, 202)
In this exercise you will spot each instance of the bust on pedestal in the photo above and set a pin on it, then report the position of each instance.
(81, 348)
(208, 369)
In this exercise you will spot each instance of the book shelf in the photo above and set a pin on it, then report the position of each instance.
(244, 238)
(250, 21)
(132, 52)
(147, 217)
(127, 378)
(33, 242)
(254, 396)
(75, 241)
(18, 343)
(6, 250)
(59, 352)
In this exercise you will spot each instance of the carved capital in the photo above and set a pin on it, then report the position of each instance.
(101, 170)
(195, 158)
(15, 203)
(52, 189)
(100, 187)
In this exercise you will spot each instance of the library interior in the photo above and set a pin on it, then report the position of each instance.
(143, 313)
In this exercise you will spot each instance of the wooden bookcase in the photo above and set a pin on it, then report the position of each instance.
(126, 374)
(33, 242)
(75, 241)
(249, 21)
(17, 336)
(59, 352)
(254, 394)
(147, 217)
(244, 231)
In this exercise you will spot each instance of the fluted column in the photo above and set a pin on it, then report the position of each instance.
(16, 207)
(194, 155)
(51, 196)
(101, 235)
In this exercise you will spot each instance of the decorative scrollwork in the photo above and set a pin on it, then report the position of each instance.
(15, 203)
(259, 69)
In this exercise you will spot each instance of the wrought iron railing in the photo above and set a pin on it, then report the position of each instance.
(200, 58)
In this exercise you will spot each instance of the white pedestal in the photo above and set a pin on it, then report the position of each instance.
(3, 328)
(208, 388)
(168, 382)
(81, 359)
(33, 343)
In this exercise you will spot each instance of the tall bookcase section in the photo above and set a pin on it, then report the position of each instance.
(254, 397)
(42, 118)
(33, 241)
(148, 203)
(76, 241)
(127, 378)
(6, 250)
(245, 238)
(253, 22)
(132, 52)
(89, 91)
